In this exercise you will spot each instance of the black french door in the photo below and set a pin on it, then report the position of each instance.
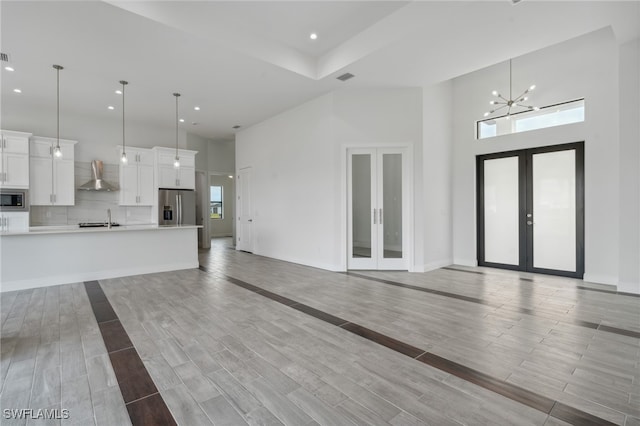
(530, 210)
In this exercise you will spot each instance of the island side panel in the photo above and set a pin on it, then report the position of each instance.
(41, 260)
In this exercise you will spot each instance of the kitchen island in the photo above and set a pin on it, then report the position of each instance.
(52, 255)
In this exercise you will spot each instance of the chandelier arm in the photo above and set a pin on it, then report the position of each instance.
(498, 109)
(503, 98)
(522, 94)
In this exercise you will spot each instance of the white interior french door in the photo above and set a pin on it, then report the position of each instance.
(377, 208)
(531, 210)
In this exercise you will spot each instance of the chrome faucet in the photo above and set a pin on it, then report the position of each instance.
(109, 218)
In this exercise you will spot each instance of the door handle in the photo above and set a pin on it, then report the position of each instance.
(375, 216)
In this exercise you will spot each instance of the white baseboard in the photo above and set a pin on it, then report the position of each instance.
(319, 265)
(465, 262)
(98, 275)
(629, 287)
(601, 279)
(224, 234)
(437, 264)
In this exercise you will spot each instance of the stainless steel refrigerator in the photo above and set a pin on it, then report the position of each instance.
(176, 207)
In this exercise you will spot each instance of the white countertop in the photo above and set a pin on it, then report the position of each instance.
(74, 229)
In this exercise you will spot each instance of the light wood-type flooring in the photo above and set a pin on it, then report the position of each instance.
(252, 340)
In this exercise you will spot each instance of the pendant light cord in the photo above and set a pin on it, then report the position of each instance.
(124, 154)
(58, 68)
(176, 95)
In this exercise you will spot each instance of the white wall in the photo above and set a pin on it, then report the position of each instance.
(97, 137)
(298, 160)
(200, 144)
(630, 167)
(583, 67)
(437, 157)
(222, 156)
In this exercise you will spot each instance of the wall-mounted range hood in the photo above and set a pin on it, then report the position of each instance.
(97, 183)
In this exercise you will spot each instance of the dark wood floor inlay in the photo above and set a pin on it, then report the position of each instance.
(508, 390)
(144, 404)
(577, 417)
(114, 335)
(381, 339)
(501, 387)
(150, 411)
(133, 378)
(331, 319)
(532, 312)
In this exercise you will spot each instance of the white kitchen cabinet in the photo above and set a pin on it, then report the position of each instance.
(183, 177)
(52, 179)
(14, 221)
(136, 178)
(14, 159)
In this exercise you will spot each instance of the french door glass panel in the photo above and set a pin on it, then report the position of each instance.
(362, 208)
(554, 210)
(391, 214)
(501, 224)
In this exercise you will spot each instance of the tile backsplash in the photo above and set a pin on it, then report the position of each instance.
(91, 206)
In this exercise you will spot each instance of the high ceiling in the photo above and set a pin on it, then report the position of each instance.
(242, 61)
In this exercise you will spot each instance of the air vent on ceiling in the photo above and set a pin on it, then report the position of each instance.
(346, 76)
(4, 57)
(237, 126)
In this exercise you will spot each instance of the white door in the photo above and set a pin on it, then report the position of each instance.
(377, 208)
(245, 212)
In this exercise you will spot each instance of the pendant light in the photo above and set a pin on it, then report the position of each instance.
(511, 103)
(176, 163)
(57, 152)
(123, 159)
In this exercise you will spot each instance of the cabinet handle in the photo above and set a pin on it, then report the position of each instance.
(380, 216)
(375, 215)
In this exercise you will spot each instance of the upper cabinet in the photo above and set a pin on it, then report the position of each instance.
(168, 176)
(136, 177)
(52, 179)
(14, 159)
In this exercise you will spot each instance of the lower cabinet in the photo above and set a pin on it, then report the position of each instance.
(14, 222)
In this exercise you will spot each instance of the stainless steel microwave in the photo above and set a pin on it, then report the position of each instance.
(14, 200)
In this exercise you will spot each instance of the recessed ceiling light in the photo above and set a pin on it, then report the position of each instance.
(313, 36)
(119, 92)
(9, 68)
(182, 120)
(17, 90)
(111, 107)
(230, 177)
(197, 108)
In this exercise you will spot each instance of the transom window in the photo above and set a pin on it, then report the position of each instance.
(549, 116)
